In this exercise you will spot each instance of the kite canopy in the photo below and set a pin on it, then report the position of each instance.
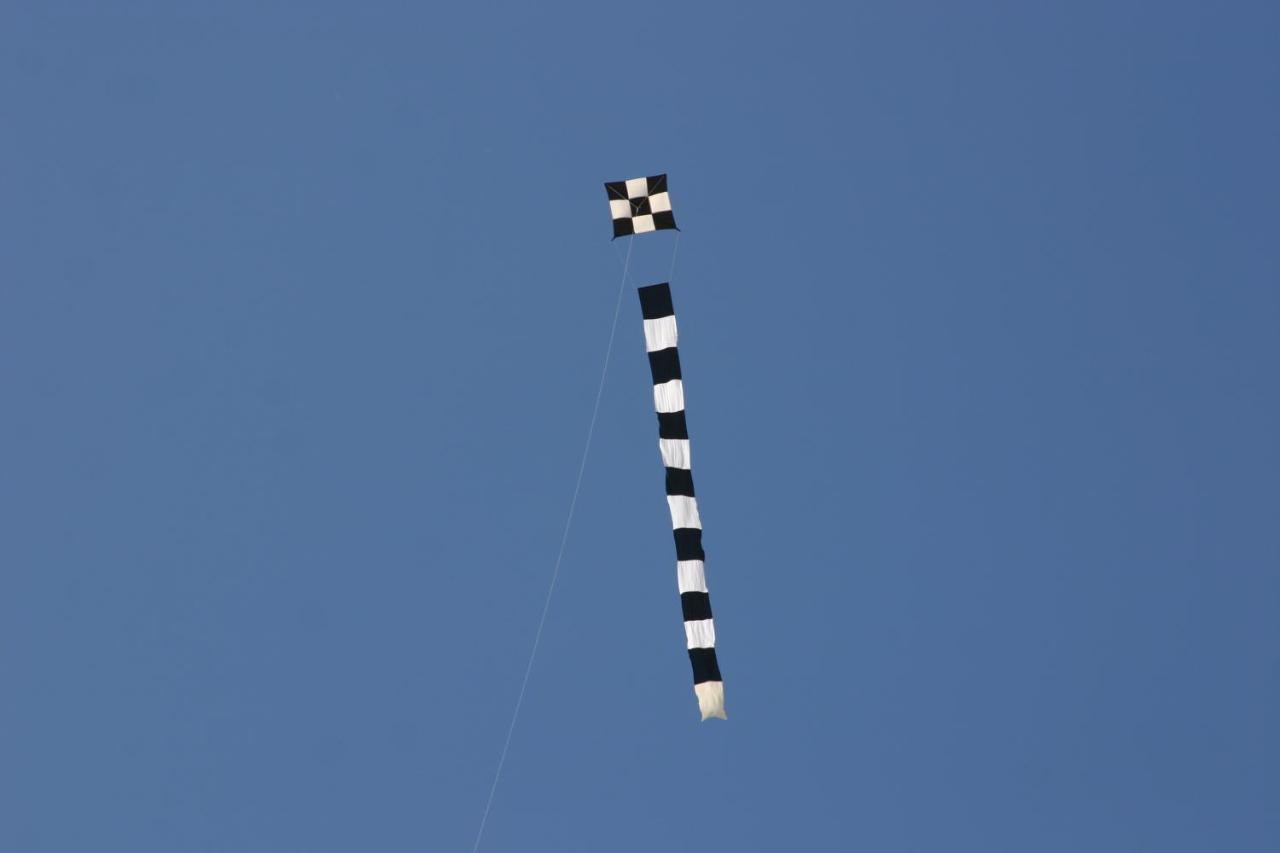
(640, 205)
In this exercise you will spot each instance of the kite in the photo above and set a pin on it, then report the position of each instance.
(639, 206)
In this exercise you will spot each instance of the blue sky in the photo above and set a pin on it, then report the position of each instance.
(301, 317)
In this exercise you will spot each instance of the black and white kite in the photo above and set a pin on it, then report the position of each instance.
(640, 205)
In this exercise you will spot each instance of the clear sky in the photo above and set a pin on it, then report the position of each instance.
(302, 309)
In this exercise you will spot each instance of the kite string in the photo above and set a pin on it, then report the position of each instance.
(564, 538)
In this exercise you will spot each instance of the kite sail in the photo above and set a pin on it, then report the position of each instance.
(639, 206)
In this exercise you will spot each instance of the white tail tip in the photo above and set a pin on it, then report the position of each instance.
(711, 699)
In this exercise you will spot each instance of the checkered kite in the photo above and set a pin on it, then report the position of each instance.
(640, 205)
